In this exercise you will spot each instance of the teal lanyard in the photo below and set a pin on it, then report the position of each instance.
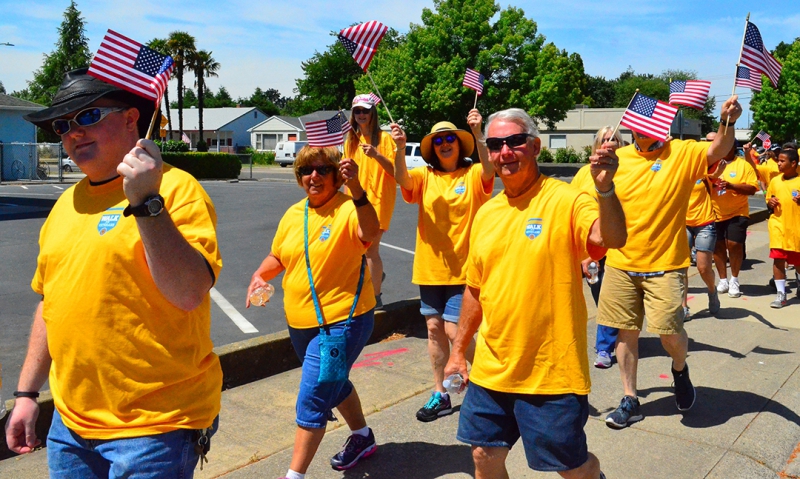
(314, 296)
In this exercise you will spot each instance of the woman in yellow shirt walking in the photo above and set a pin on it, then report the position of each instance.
(449, 192)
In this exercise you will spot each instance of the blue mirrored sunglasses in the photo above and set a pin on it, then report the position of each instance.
(87, 117)
(450, 138)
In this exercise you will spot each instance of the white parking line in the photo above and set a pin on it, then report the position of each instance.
(58, 187)
(235, 316)
(23, 187)
(397, 248)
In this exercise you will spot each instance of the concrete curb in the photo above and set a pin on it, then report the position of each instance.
(250, 360)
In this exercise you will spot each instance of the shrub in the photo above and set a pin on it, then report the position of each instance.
(587, 152)
(202, 146)
(545, 156)
(205, 165)
(568, 155)
(263, 157)
(172, 146)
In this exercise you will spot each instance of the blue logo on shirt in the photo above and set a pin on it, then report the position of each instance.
(326, 233)
(733, 174)
(108, 221)
(656, 166)
(795, 193)
(698, 182)
(533, 228)
(461, 188)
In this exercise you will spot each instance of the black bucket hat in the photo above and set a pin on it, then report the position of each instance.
(78, 90)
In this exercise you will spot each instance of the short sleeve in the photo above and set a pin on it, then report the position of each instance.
(749, 175)
(474, 259)
(476, 181)
(415, 194)
(280, 236)
(696, 156)
(584, 214)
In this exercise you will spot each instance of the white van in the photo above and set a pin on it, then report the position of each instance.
(286, 152)
(414, 156)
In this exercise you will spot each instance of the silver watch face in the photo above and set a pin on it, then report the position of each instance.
(154, 206)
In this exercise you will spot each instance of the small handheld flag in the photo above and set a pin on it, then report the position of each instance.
(325, 132)
(345, 123)
(474, 80)
(757, 58)
(649, 116)
(362, 41)
(745, 79)
(762, 135)
(132, 66)
(375, 98)
(691, 93)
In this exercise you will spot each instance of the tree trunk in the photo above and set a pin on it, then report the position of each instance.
(169, 117)
(200, 100)
(180, 102)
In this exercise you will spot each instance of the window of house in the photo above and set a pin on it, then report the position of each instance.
(558, 141)
(230, 142)
(255, 114)
(292, 137)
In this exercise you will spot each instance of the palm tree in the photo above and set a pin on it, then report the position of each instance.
(181, 47)
(204, 66)
(160, 45)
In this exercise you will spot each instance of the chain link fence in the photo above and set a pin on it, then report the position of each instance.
(30, 161)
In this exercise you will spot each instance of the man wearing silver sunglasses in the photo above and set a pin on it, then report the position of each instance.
(127, 257)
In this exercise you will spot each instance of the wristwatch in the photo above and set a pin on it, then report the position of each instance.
(152, 206)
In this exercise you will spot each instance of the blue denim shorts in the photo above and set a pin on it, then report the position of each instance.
(170, 454)
(551, 427)
(314, 400)
(702, 238)
(442, 300)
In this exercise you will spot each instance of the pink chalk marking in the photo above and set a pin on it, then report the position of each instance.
(689, 298)
(663, 376)
(390, 364)
(365, 363)
(372, 358)
(748, 233)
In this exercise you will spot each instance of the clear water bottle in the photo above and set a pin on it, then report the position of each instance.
(594, 271)
(453, 383)
(2, 401)
(260, 296)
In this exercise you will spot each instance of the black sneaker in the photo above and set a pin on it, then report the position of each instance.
(684, 390)
(436, 407)
(356, 447)
(626, 414)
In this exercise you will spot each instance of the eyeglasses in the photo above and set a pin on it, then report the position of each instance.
(87, 117)
(360, 111)
(513, 141)
(439, 140)
(321, 170)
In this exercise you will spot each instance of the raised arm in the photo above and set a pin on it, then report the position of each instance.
(609, 231)
(400, 169)
(368, 224)
(474, 120)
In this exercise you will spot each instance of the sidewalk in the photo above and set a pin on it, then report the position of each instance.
(745, 424)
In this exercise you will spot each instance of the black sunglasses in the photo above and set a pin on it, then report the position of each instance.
(321, 170)
(360, 111)
(450, 138)
(87, 117)
(513, 141)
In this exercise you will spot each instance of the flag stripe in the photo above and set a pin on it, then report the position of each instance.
(691, 93)
(656, 123)
(756, 56)
(474, 80)
(362, 41)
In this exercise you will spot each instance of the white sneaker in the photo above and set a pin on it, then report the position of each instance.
(733, 290)
(722, 287)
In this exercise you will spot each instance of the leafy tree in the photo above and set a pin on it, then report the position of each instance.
(420, 79)
(2, 88)
(777, 110)
(268, 101)
(598, 92)
(189, 99)
(160, 45)
(204, 66)
(181, 47)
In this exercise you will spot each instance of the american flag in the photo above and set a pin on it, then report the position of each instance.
(131, 66)
(345, 123)
(762, 135)
(325, 132)
(691, 93)
(747, 79)
(474, 80)
(756, 57)
(375, 98)
(362, 41)
(650, 117)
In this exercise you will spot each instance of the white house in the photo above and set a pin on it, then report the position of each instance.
(267, 134)
(224, 129)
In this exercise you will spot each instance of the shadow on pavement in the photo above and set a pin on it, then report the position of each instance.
(713, 407)
(741, 313)
(651, 347)
(420, 460)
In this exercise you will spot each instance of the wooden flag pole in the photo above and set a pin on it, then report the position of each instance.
(153, 121)
(733, 91)
(475, 105)
(613, 133)
(381, 96)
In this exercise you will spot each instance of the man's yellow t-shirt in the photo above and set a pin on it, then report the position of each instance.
(334, 251)
(784, 223)
(448, 203)
(728, 204)
(767, 171)
(126, 362)
(654, 189)
(583, 180)
(380, 186)
(525, 256)
(700, 212)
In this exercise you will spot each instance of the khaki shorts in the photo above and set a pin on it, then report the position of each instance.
(625, 300)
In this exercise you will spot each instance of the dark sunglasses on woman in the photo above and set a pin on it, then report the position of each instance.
(87, 117)
(439, 140)
(360, 111)
(321, 170)
(513, 141)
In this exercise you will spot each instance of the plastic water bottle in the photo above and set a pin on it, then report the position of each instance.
(453, 384)
(260, 296)
(2, 401)
(594, 270)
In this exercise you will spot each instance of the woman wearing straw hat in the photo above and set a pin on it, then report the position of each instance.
(449, 192)
(374, 152)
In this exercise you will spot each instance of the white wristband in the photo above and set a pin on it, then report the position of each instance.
(606, 194)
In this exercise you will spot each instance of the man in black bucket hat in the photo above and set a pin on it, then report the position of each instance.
(127, 258)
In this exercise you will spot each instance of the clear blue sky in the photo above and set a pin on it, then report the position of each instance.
(263, 43)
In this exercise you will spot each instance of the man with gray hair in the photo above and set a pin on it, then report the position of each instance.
(530, 377)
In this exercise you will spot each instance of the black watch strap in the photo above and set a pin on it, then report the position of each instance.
(363, 201)
(153, 206)
(727, 122)
(26, 394)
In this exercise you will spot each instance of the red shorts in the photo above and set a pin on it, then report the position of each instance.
(791, 257)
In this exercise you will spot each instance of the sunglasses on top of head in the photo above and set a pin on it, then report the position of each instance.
(87, 117)
(321, 170)
(449, 138)
(513, 141)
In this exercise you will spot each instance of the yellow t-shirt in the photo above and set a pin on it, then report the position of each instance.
(731, 204)
(525, 255)
(334, 251)
(784, 223)
(126, 362)
(380, 186)
(767, 171)
(583, 181)
(700, 212)
(447, 206)
(654, 189)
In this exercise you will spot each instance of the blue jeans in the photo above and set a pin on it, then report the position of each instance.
(170, 454)
(606, 336)
(444, 300)
(315, 400)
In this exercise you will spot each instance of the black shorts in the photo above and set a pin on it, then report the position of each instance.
(733, 229)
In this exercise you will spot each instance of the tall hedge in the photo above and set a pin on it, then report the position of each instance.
(206, 166)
